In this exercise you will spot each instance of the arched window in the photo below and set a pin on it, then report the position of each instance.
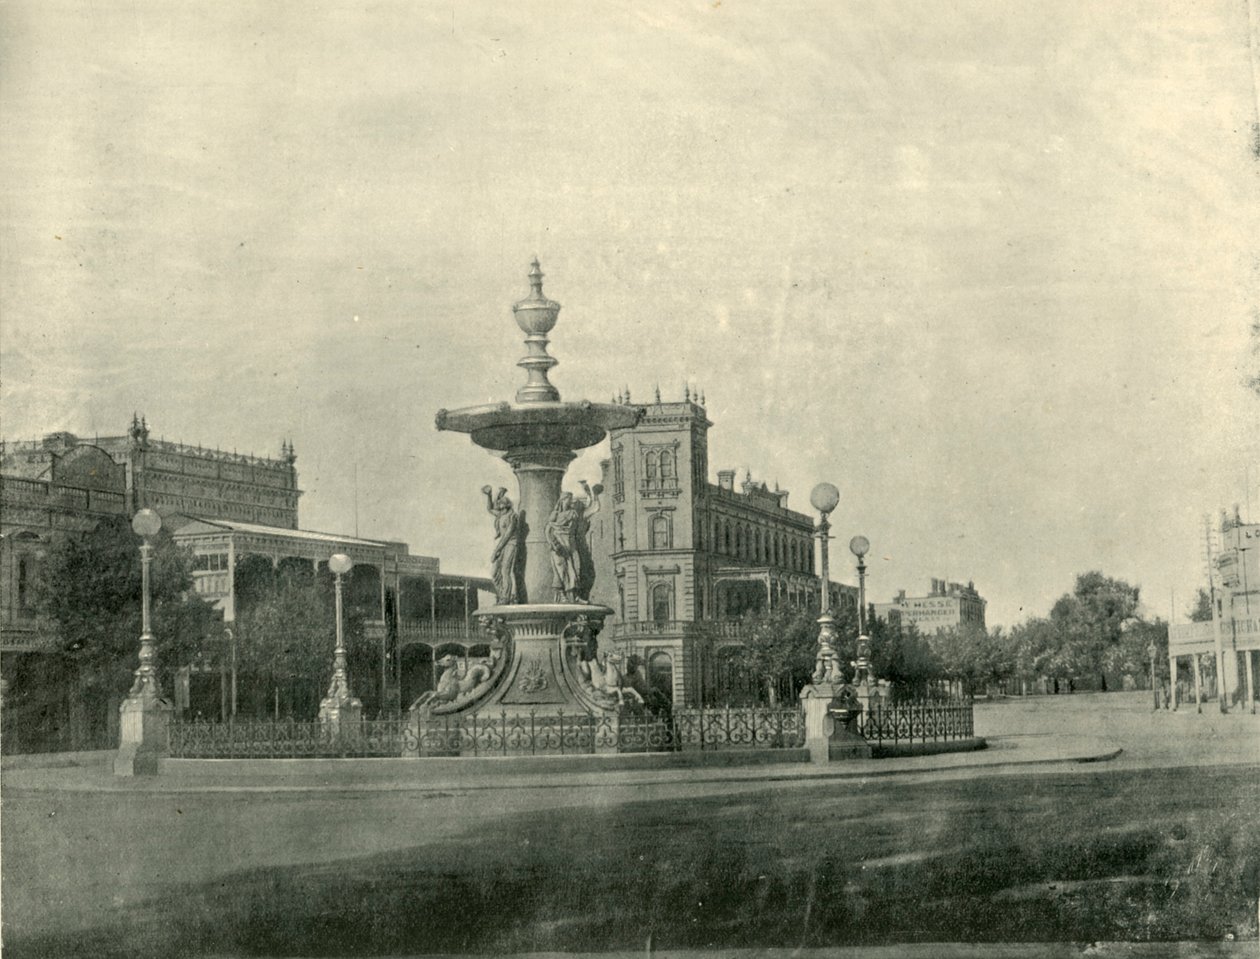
(661, 674)
(667, 468)
(649, 468)
(739, 540)
(756, 544)
(726, 537)
(660, 532)
(792, 555)
(660, 603)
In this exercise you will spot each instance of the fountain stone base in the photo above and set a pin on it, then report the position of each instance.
(549, 672)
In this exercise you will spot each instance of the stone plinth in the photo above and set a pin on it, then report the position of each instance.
(826, 737)
(341, 718)
(144, 721)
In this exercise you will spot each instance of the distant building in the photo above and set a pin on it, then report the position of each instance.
(946, 606)
(672, 549)
(223, 506)
(175, 478)
(74, 488)
(1235, 624)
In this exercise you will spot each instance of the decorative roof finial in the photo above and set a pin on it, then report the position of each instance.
(627, 391)
(687, 392)
(658, 394)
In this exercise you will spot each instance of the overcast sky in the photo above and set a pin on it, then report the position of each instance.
(989, 268)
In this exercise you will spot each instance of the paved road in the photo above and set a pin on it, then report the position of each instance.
(76, 854)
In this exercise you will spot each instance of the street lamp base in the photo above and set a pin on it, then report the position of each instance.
(341, 717)
(145, 734)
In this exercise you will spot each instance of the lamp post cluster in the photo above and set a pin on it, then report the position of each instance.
(145, 716)
(832, 705)
(827, 668)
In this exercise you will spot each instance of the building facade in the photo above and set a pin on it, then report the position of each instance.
(673, 550)
(946, 606)
(1234, 630)
(177, 479)
(412, 611)
(224, 507)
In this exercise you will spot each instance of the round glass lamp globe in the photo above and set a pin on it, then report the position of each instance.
(146, 523)
(859, 546)
(340, 563)
(824, 497)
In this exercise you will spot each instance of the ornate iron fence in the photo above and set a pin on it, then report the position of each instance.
(502, 734)
(733, 727)
(921, 721)
(262, 739)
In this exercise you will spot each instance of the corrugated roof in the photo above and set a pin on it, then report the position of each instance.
(283, 531)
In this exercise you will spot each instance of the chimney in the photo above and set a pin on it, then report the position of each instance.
(783, 496)
(726, 479)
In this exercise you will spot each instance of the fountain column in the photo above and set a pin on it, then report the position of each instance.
(545, 628)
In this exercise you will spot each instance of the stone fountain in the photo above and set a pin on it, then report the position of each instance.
(543, 629)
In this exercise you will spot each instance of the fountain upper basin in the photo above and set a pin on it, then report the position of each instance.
(504, 426)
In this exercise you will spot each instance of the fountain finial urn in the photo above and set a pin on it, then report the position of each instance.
(536, 315)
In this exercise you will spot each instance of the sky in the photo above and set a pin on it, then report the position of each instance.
(988, 268)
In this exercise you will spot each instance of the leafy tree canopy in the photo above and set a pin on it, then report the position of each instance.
(1201, 611)
(90, 588)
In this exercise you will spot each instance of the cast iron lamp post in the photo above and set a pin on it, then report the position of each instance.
(340, 709)
(144, 715)
(824, 497)
(146, 524)
(829, 704)
(859, 546)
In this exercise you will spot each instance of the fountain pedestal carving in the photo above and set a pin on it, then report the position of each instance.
(548, 659)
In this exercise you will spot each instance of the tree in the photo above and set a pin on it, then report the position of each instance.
(1201, 611)
(285, 636)
(1035, 645)
(91, 590)
(973, 656)
(1132, 655)
(1090, 620)
(780, 646)
(903, 656)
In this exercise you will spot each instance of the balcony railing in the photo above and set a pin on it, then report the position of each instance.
(674, 628)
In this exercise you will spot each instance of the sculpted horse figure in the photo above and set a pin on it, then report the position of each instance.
(457, 679)
(607, 678)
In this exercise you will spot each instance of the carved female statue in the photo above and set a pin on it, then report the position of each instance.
(561, 527)
(507, 536)
(581, 534)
